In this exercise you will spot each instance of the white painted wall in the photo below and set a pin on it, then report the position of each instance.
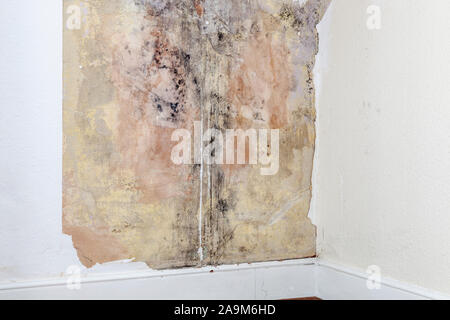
(32, 245)
(382, 171)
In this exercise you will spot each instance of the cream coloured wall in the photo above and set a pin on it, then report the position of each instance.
(382, 171)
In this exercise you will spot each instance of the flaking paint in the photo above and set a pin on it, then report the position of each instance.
(136, 71)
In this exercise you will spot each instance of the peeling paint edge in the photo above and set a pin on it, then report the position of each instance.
(320, 65)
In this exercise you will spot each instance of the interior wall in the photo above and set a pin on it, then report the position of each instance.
(382, 163)
(32, 243)
(137, 77)
(381, 195)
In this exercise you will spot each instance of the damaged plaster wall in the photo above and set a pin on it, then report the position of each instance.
(137, 70)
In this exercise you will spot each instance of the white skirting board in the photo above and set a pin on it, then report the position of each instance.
(267, 280)
(261, 281)
(336, 282)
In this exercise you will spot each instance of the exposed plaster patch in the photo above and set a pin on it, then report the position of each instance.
(149, 67)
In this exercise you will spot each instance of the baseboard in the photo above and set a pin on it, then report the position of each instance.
(268, 280)
(261, 281)
(337, 282)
